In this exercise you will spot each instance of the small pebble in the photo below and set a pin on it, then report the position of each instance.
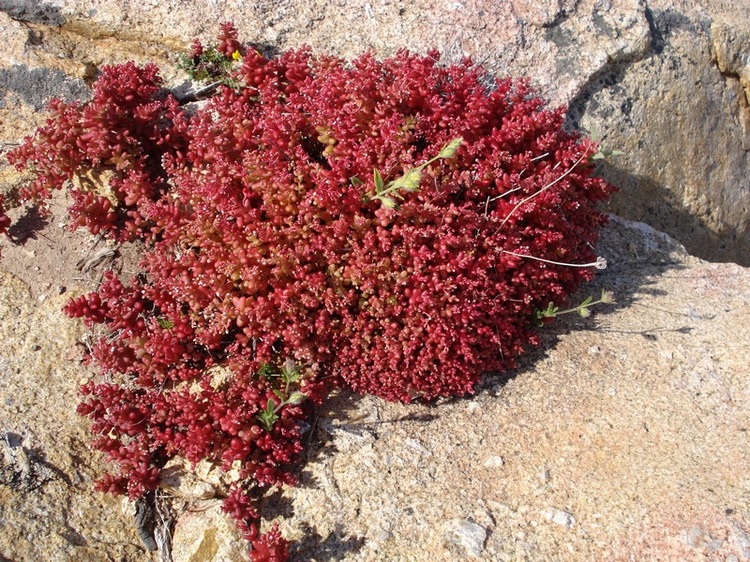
(495, 461)
(693, 537)
(468, 536)
(559, 516)
(417, 446)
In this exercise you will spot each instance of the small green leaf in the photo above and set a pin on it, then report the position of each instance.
(449, 150)
(584, 312)
(549, 312)
(378, 179)
(268, 416)
(265, 370)
(388, 202)
(356, 182)
(408, 182)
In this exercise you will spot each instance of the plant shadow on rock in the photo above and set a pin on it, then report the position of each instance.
(26, 469)
(345, 407)
(341, 413)
(328, 549)
(31, 223)
(634, 257)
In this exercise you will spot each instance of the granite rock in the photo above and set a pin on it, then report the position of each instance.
(635, 418)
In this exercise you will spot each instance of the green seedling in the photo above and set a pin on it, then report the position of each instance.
(387, 193)
(584, 309)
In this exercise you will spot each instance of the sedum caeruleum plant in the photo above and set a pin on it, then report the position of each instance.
(392, 226)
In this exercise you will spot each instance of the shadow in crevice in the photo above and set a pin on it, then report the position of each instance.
(644, 200)
(273, 504)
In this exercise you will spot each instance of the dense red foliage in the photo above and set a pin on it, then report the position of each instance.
(228, 43)
(265, 244)
(4, 219)
(125, 129)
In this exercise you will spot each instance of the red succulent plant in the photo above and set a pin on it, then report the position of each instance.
(273, 257)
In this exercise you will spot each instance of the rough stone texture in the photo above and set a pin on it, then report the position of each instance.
(683, 122)
(47, 508)
(624, 437)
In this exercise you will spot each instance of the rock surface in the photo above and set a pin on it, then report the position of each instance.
(47, 508)
(625, 436)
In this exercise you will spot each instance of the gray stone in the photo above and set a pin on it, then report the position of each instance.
(559, 516)
(36, 86)
(33, 11)
(694, 537)
(742, 539)
(466, 536)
